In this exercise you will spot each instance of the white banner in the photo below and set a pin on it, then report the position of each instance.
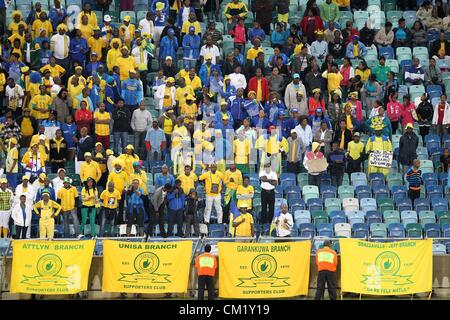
(382, 159)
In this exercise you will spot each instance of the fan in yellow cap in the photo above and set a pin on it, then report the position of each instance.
(160, 6)
(127, 18)
(378, 142)
(128, 158)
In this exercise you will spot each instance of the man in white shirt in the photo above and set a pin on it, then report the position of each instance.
(59, 44)
(304, 132)
(14, 95)
(146, 25)
(141, 121)
(210, 48)
(319, 48)
(269, 180)
(284, 222)
(237, 79)
(290, 96)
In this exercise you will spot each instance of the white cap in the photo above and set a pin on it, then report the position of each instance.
(42, 137)
(107, 18)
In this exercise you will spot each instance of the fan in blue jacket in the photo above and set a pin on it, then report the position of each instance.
(168, 46)
(191, 48)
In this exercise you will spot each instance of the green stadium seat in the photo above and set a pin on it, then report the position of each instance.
(359, 14)
(385, 204)
(403, 50)
(427, 216)
(332, 204)
(319, 217)
(346, 192)
(378, 230)
(141, 15)
(414, 230)
(393, 65)
(394, 15)
(391, 216)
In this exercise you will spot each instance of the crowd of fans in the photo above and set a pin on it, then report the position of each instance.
(204, 106)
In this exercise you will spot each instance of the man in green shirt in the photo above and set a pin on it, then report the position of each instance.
(381, 71)
(329, 11)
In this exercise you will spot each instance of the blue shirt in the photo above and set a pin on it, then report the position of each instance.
(176, 201)
(155, 137)
(132, 92)
(24, 214)
(69, 131)
(78, 49)
(135, 200)
(39, 193)
(162, 180)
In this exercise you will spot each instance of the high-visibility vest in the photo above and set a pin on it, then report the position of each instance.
(326, 259)
(206, 264)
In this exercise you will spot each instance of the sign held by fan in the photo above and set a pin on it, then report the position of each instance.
(381, 159)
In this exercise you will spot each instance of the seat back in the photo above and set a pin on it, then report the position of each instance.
(342, 230)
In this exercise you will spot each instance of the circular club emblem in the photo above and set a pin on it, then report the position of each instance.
(387, 263)
(264, 266)
(146, 262)
(49, 265)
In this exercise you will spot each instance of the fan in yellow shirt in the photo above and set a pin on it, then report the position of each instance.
(125, 63)
(40, 104)
(102, 120)
(243, 224)
(113, 53)
(232, 179)
(42, 24)
(118, 176)
(91, 15)
(17, 20)
(128, 158)
(56, 71)
(245, 193)
(188, 179)
(189, 110)
(191, 22)
(90, 169)
(86, 29)
(213, 181)
(127, 30)
(139, 175)
(96, 43)
(182, 92)
(47, 210)
(241, 150)
(193, 80)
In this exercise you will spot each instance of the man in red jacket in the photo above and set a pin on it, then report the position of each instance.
(260, 86)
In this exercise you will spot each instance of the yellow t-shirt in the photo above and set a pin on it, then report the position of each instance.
(120, 180)
(245, 228)
(441, 50)
(167, 102)
(210, 179)
(125, 65)
(241, 190)
(167, 126)
(100, 128)
(67, 197)
(47, 210)
(42, 102)
(111, 58)
(187, 182)
(252, 53)
(55, 71)
(233, 179)
(90, 170)
(188, 24)
(14, 27)
(128, 161)
(26, 127)
(190, 111)
(241, 151)
(13, 154)
(89, 199)
(96, 45)
(355, 149)
(38, 25)
(87, 31)
(195, 83)
(179, 94)
(110, 199)
(142, 177)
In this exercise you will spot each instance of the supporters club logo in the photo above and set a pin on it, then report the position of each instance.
(145, 264)
(387, 270)
(48, 268)
(264, 267)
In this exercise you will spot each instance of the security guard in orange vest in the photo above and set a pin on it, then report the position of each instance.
(206, 265)
(326, 261)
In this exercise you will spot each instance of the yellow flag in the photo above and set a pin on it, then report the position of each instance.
(274, 270)
(51, 267)
(392, 268)
(146, 267)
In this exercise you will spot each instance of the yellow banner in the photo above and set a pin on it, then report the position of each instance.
(51, 267)
(393, 268)
(146, 267)
(272, 270)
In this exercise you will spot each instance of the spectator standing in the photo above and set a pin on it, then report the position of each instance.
(284, 223)
(336, 160)
(269, 180)
(176, 203)
(141, 122)
(407, 147)
(326, 261)
(414, 178)
(206, 265)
